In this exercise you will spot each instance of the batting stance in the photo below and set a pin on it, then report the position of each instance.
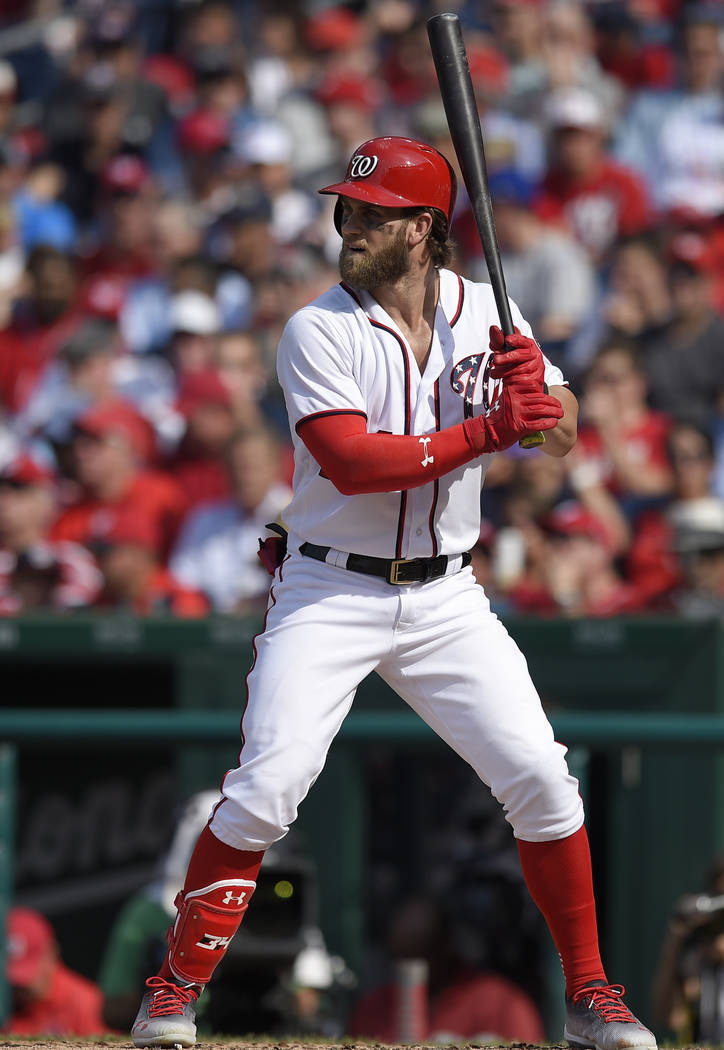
(396, 407)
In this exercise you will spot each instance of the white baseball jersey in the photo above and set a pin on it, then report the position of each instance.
(437, 644)
(343, 353)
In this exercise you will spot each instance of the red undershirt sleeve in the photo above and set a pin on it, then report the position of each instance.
(356, 462)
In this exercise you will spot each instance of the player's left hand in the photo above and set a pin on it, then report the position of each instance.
(517, 360)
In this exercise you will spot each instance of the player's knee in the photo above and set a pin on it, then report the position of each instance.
(543, 801)
(262, 803)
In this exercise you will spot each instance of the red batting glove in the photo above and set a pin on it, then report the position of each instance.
(517, 360)
(516, 413)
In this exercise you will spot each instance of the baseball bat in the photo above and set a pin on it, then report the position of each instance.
(456, 89)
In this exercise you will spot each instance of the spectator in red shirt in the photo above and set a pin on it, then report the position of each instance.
(126, 205)
(621, 440)
(463, 1003)
(598, 199)
(653, 565)
(578, 575)
(47, 997)
(198, 465)
(112, 450)
(133, 577)
(36, 572)
(41, 322)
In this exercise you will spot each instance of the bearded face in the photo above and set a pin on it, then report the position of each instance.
(367, 268)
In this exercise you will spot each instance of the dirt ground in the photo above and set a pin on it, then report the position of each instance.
(258, 1044)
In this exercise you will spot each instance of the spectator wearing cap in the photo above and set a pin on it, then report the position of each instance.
(265, 151)
(519, 547)
(699, 543)
(42, 320)
(216, 551)
(204, 403)
(674, 138)
(594, 196)
(622, 442)
(134, 578)
(146, 314)
(244, 233)
(580, 574)
(36, 572)
(351, 101)
(683, 359)
(547, 273)
(112, 452)
(194, 322)
(204, 140)
(47, 997)
(125, 248)
(91, 369)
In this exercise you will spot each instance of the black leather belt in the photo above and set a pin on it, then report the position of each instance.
(394, 570)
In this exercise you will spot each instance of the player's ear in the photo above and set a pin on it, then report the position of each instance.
(418, 228)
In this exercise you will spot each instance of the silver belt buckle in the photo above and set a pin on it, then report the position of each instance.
(394, 570)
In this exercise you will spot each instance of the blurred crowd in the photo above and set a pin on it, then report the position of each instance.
(159, 223)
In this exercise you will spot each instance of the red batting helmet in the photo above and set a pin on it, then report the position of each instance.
(398, 173)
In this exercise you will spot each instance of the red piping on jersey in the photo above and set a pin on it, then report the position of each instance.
(330, 412)
(350, 291)
(461, 297)
(436, 483)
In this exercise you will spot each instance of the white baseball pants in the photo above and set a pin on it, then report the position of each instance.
(439, 647)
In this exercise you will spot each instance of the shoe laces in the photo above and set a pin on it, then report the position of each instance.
(168, 998)
(606, 1000)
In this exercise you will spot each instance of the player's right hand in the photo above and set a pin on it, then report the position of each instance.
(513, 415)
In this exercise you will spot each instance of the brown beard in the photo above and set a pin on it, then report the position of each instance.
(386, 266)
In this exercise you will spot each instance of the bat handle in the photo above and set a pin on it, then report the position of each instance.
(537, 437)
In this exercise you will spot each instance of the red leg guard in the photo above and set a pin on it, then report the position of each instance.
(207, 920)
(219, 882)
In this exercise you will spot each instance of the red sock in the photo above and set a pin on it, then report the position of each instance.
(212, 861)
(558, 876)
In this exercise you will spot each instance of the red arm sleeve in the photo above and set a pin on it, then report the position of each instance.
(355, 461)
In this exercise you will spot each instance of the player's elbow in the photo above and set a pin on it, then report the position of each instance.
(346, 482)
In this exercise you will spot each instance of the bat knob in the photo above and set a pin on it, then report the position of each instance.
(532, 440)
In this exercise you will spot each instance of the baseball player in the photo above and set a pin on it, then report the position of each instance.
(397, 405)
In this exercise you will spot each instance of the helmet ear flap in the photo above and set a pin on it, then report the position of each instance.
(338, 216)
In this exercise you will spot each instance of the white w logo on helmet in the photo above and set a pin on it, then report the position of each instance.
(362, 166)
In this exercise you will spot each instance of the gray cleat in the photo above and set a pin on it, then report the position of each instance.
(166, 1016)
(598, 1018)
